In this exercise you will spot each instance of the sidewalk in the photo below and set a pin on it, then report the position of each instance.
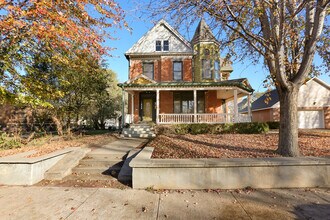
(100, 203)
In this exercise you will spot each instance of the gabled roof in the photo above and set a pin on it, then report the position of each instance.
(146, 44)
(203, 33)
(269, 99)
(240, 83)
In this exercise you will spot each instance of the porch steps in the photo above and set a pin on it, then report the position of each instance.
(139, 131)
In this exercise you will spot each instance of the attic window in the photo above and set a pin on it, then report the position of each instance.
(166, 45)
(158, 45)
(162, 45)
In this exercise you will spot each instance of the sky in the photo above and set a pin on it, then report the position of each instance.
(255, 74)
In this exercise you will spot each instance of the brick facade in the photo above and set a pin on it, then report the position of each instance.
(212, 103)
(166, 102)
(327, 117)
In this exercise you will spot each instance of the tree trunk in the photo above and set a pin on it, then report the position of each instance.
(58, 124)
(288, 134)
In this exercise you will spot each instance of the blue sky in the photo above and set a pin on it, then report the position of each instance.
(254, 73)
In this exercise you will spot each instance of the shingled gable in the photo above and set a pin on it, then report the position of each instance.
(203, 33)
(162, 30)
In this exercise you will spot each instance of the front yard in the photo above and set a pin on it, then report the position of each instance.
(311, 142)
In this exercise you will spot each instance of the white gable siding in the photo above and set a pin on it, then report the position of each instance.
(313, 94)
(147, 44)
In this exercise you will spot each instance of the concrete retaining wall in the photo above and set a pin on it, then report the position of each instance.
(28, 171)
(229, 173)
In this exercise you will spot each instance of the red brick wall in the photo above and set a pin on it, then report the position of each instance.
(327, 117)
(187, 70)
(212, 104)
(166, 70)
(157, 70)
(136, 106)
(166, 102)
(136, 68)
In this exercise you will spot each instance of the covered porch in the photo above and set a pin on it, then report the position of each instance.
(187, 103)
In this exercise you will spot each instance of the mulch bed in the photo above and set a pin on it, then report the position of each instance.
(311, 143)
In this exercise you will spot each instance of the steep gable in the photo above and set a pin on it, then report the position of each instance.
(161, 31)
(203, 33)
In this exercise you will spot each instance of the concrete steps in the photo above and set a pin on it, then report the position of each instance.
(139, 131)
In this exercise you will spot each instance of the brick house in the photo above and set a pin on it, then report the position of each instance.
(172, 80)
(313, 105)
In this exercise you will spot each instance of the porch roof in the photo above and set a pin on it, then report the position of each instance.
(240, 83)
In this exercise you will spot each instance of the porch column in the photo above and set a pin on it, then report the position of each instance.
(249, 107)
(235, 106)
(132, 108)
(157, 106)
(123, 108)
(195, 105)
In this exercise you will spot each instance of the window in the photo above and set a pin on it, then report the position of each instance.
(206, 69)
(158, 45)
(148, 70)
(217, 70)
(200, 102)
(184, 102)
(177, 70)
(166, 45)
(162, 47)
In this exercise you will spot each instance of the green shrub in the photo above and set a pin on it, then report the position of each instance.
(7, 142)
(238, 128)
(199, 129)
(250, 128)
(273, 124)
(182, 129)
(221, 128)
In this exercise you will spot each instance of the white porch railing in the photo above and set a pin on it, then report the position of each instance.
(176, 118)
(201, 118)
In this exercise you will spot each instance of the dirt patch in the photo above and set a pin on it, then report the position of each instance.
(49, 144)
(311, 143)
(85, 183)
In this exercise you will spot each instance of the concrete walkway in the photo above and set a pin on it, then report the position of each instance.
(99, 203)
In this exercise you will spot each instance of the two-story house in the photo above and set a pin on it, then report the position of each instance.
(172, 80)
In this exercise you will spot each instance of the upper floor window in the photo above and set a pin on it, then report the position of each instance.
(148, 70)
(162, 45)
(158, 45)
(166, 45)
(177, 70)
(217, 70)
(206, 69)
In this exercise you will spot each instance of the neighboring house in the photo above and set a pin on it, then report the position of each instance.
(313, 105)
(172, 80)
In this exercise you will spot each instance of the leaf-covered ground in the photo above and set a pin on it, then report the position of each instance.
(311, 143)
(48, 144)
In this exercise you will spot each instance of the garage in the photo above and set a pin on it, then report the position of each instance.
(310, 119)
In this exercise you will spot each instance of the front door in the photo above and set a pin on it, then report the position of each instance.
(147, 109)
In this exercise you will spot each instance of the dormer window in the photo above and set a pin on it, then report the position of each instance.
(162, 45)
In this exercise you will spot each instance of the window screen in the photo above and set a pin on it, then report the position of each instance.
(148, 70)
(177, 70)
(206, 71)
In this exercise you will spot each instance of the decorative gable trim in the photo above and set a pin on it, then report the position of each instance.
(167, 26)
(140, 79)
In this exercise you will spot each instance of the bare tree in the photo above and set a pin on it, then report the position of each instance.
(285, 33)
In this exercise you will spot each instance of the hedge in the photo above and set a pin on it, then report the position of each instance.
(238, 128)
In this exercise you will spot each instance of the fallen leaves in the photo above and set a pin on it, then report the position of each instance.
(311, 143)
